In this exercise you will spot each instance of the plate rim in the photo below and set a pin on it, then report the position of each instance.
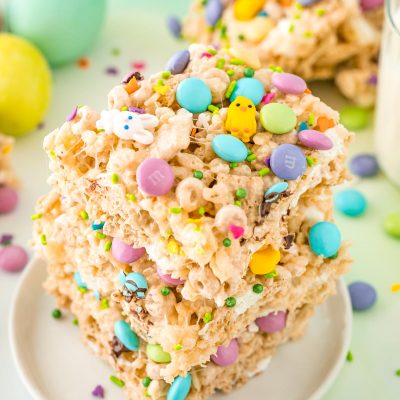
(36, 393)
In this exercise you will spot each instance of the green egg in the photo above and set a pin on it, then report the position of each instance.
(278, 118)
(156, 353)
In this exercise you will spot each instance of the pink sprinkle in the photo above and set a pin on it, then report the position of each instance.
(6, 239)
(72, 114)
(268, 98)
(208, 55)
(237, 231)
(139, 65)
(98, 391)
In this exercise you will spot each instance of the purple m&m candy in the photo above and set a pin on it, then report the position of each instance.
(226, 355)
(315, 140)
(364, 165)
(307, 2)
(168, 279)
(370, 4)
(178, 62)
(363, 295)
(125, 253)
(174, 25)
(213, 11)
(13, 258)
(272, 322)
(155, 177)
(8, 199)
(288, 162)
(289, 83)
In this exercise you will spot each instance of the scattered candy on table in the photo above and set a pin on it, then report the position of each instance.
(364, 165)
(355, 118)
(363, 295)
(8, 199)
(273, 322)
(392, 225)
(125, 253)
(228, 355)
(126, 336)
(324, 239)
(98, 392)
(13, 258)
(350, 202)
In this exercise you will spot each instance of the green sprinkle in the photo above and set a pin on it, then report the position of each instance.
(114, 178)
(308, 34)
(311, 119)
(227, 242)
(123, 108)
(104, 304)
(264, 171)
(297, 16)
(212, 51)
(56, 313)
(175, 210)
(233, 165)
(100, 235)
(298, 6)
(201, 210)
(241, 193)
(160, 82)
(34, 217)
(258, 288)
(237, 61)
(84, 215)
(107, 246)
(249, 72)
(166, 74)
(224, 31)
(221, 63)
(146, 381)
(241, 37)
(320, 12)
(398, 372)
(130, 197)
(75, 321)
(115, 51)
(238, 203)
(230, 72)
(230, 302)
(117, 381)
(291, 28)
(334, 256)
(207, 317)
(82, 289)
(178, 347)
(349, 356)
(310, 161)
(275, 68)
(249, 152)
(230, 89)
(271, 275)
(198, 174)
(251, 157)
(43, 239)
(213, 109)
(165, 291)
(52, 154)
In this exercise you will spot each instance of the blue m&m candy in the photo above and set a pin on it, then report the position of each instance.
(288, 162)
(324, 239)
(229, 148)
(279, 187)
(180, 388)
(251, 88)
(137, 284)
(350, 202)
(174, 25)
(126, 336)
(213, 11)
(178, 62)
(194, 95)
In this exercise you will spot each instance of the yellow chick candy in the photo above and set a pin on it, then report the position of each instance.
(241, 121)
(264, 261)
(247, 9)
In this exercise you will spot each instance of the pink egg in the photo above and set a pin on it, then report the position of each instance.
(13, 258)
(125, 253)
(155, 177)
(226, 355)
(289, 83)
(315, 140)
(8, 199)
(168, 279)
(273, 322)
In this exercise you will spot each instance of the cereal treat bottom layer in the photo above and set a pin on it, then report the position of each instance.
(199, 202)
(7, 176)
(315, 39)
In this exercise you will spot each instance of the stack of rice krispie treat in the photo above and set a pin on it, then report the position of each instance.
(322, 39)
(189, 226)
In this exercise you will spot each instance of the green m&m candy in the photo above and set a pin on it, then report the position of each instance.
(156, 353)
(278, 118)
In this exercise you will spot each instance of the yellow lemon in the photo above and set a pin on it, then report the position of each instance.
(265, 260)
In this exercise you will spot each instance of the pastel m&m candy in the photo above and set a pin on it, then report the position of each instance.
(363, 295)
(126, 336)
(180, 388)
(156, 353)
(278, 118)
(137, 284)
(125, 253)
(245, 10)
(229, 148)
(13, 258)
(272, 322)
(324, 239)
(354, 118)
(213, 11)
(155, 177)
(350, 202)
(279, 187)
(194, 95)
(250, 88)
(308, 2)
(392, 224)
(226, 355)
(289, 83)
(168, 279)
(8, 199)
(370, 4)
(288, 162)
(315, 140)
(174, 25)
(264, 261)
(364, 165)
(178, 62)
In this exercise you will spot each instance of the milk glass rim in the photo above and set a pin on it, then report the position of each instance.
(395, 27)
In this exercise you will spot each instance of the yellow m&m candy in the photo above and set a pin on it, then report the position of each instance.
(247, 9)
(265, 260)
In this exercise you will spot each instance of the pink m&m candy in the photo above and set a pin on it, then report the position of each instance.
(370, 4)
(8, 199)
(155, 177)
(226, 355)
(125, 253)
(168, 279)
(315, 140)
(273, 322)
(289, 83)
(13, 258)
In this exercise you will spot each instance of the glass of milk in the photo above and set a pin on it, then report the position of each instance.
(387, 120)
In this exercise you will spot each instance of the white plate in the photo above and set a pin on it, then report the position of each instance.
(54, 364)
